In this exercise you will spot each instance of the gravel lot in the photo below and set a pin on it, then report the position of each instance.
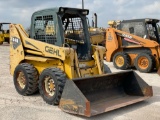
(16, 107)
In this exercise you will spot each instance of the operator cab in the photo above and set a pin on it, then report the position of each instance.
(63, 27)
(74, 27)
(145, 28)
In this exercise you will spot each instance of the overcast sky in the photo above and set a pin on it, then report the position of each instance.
(20, 11)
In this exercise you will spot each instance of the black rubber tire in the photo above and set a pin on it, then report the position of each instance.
(107, 69)
(151, 60)
(31, 76)
(59, 78)
(126, 58)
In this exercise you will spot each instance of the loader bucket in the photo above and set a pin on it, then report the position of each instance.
(95, 95)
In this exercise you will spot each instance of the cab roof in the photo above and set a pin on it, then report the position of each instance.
(62, 9)
(147, 20)
(4, 23)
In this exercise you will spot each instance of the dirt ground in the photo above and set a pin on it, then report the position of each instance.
(16, 107)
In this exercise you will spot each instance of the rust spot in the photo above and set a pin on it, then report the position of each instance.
(87, 112)
(69, 105)
(148, 91)
(69, 102)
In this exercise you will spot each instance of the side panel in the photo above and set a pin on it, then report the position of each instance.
(16, 49)
(41, 65)
(111, 43)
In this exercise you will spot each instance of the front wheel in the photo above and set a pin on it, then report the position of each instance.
(121, 60)
(51, 84)
(26, 79)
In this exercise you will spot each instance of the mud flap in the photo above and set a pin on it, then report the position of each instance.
(95, 95)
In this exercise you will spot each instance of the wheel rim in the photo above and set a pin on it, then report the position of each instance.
(21, 80)
(119, 61)
(143, 63)
(49, 86)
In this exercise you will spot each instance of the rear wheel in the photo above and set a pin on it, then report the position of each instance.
(144, 62)
(121, 60)
(26, 79)
(51, 84)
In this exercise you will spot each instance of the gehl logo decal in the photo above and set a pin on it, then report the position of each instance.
(52, 51)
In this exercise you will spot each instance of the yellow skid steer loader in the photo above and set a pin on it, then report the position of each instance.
(66, 69)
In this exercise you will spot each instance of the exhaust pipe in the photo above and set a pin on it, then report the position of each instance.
(95, 20)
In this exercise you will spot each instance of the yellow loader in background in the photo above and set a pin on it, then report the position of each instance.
(65, 67)
(97, 34)
(4, 33)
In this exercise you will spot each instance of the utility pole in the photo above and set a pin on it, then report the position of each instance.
(82, 4)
